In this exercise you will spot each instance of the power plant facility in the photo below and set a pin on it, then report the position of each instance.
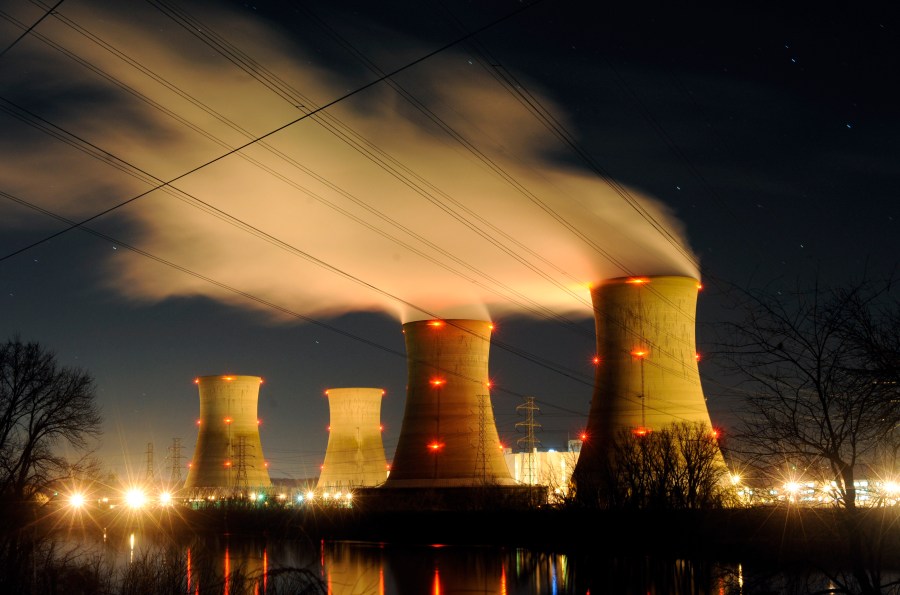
(354, 456)
(448, 437)
(646, 363)
(228, 459)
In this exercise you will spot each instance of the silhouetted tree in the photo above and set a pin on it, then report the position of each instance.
(45, 409)
(678, 466)
(815, 370)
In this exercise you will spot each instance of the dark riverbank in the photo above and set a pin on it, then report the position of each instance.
(771, 535)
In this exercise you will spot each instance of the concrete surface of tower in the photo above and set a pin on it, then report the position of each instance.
(228, 457)
(448, 437)
(354, 456)
(647, 375)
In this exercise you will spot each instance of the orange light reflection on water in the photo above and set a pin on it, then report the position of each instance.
(227, 571)
(436, 587)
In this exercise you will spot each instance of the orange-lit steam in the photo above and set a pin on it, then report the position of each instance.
(428, 230)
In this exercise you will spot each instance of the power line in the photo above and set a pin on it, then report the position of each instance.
(30, 29)
(278, 129)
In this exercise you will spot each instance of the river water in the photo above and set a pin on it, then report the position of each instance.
(233, 565)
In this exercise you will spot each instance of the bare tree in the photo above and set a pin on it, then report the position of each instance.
(676, 467)
(813, 366)
(814, 395)
(45, 408)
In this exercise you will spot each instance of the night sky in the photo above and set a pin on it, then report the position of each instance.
(562, 144)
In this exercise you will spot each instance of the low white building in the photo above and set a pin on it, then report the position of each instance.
(549, 468)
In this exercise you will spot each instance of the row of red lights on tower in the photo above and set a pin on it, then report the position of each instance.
(644, 280)
(638, 353)
(228, 421)
(440, 323)
(225, 378)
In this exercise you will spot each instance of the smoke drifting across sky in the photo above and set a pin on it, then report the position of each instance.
(459, 203)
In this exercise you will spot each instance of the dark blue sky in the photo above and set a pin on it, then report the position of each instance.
(767, 139)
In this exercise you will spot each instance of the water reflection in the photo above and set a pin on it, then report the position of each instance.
(233, 565)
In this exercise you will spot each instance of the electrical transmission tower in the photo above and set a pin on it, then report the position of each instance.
(529, 442)
(240, 480)
(481, 470)
(175, 460)
(149, 471)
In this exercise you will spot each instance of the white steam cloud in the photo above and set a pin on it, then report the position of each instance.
(368, 206)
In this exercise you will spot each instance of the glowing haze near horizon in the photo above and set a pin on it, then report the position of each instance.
(444, 233)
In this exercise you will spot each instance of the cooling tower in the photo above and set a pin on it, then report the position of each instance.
(647, 375)
(448, 437)
(354, 456)
(228, 457)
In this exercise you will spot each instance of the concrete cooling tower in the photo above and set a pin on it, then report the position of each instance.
(448, 437)
(228, 458)
(647, 375)
(354, 456)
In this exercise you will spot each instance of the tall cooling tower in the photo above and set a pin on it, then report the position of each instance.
(647, 375)
(228, 457)
(448, 437)
(354, 456)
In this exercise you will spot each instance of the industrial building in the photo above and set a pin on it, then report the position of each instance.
(448, 438)
(228, 459)
(550, 468)
(354, 456)
(646, 365)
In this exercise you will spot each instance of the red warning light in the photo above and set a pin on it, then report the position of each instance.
(381, 428)
(697, 356)
(435, 446)
(491, 326)
(228, 378)
(436, 323)
(639, 353)
(699, 287)
(228, 420)
(328, 428)
(641, 431)
(716, 433)
(489, 384)
(438, 381)
(638, 280)
(583, 436)
(190, 464)
(228, 463)
(199, 422)
(501, 446)
(259, 422)
(596, 360)
(196, 381)
(266, 464)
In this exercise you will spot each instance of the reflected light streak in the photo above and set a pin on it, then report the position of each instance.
(381, 580)
(503, 580)
(436, 586)
(227, 572)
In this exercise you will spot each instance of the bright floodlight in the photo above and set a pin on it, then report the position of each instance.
(792, 487)
(165, 498)
(735, 479)
(891, 488)
(76, 500)
(135, 498)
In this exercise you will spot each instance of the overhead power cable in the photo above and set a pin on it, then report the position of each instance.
(363, 146)
(287, 311)
(505, 292)
(30, 29)
(279, 128)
